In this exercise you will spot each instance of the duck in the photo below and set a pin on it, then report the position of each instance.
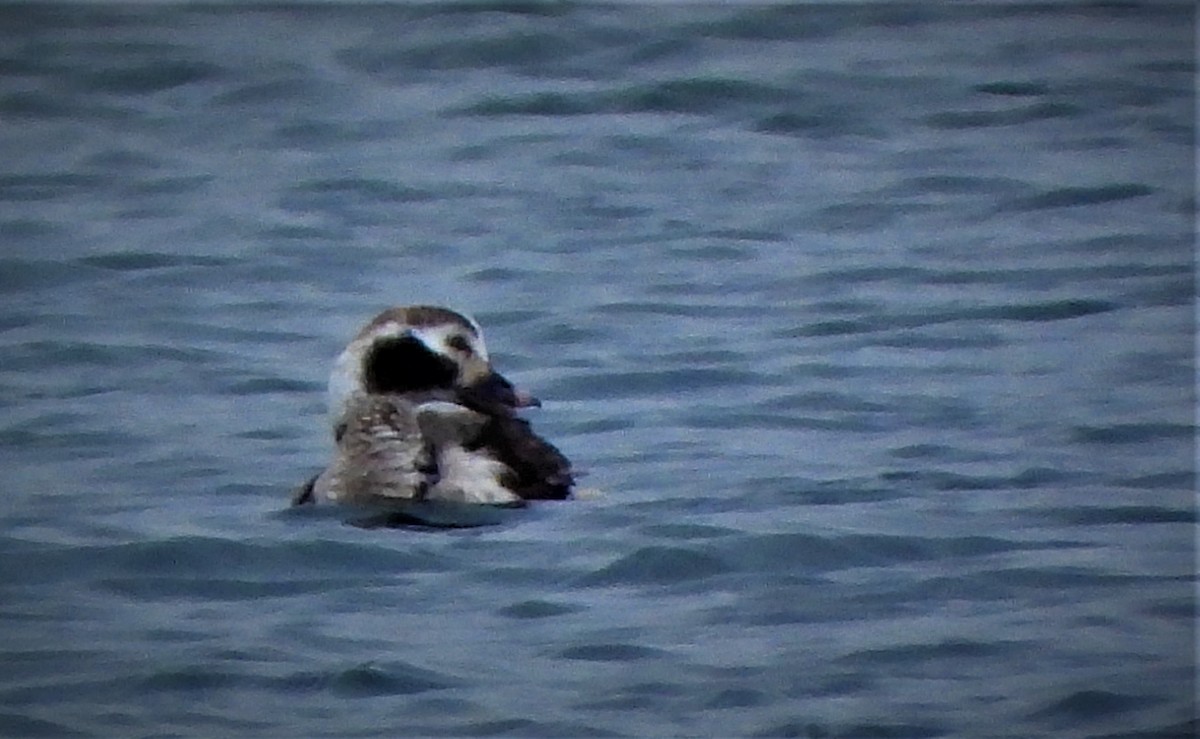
(417, 412)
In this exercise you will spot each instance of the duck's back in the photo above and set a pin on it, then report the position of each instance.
(380, 453)
(538, 470)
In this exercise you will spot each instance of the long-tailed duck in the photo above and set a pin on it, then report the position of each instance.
(418, 413)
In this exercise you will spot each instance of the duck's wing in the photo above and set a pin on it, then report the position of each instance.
(304, 493)
(539, 470)
(380, 455)
(444, 423)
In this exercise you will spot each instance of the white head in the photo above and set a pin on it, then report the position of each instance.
(421, 350)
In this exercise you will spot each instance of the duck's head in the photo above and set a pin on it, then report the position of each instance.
(424, 352)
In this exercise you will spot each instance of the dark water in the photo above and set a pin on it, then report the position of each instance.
(873, 324)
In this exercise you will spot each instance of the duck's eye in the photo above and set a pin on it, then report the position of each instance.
(459, 343)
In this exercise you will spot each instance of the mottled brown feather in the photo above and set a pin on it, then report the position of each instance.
(417, 315)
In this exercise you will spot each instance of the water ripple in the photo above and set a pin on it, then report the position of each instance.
(657, 565)
(873, 334)
(1066, 197)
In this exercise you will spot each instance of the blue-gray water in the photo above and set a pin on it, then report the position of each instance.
(873, 325)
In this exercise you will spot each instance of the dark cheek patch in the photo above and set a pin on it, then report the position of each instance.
(406, 365)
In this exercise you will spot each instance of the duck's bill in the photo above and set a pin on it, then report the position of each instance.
(495, 392)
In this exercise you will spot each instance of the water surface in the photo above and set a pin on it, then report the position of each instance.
(872, 324)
